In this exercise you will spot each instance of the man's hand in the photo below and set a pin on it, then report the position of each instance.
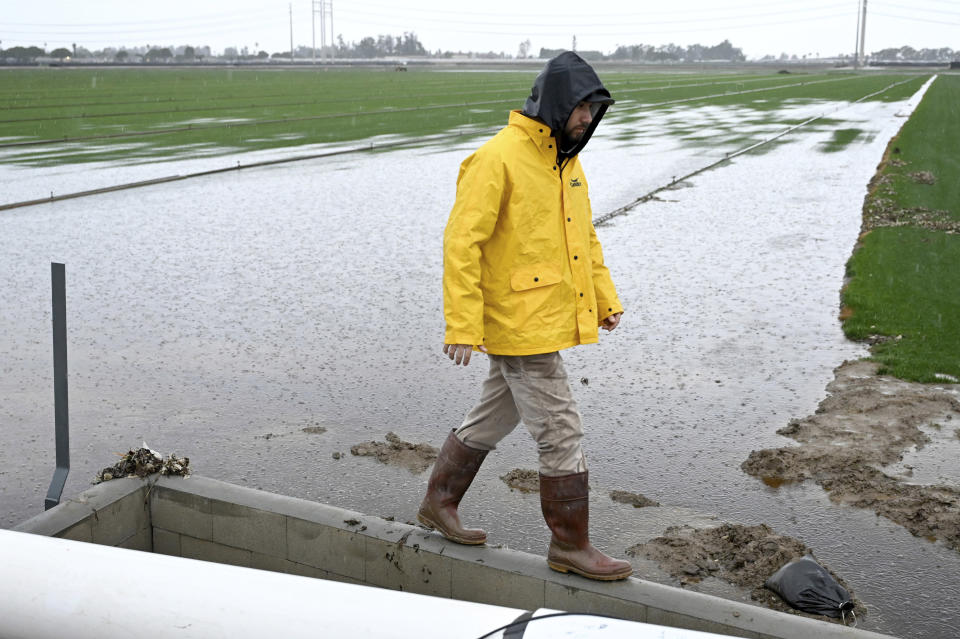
(611, 322)
(460, 352)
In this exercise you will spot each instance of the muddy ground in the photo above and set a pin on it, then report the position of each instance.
(414, 457)
(522, 479)
(853, 446)
(858, 435)
(745, 556)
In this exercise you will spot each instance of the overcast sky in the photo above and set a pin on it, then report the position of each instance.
(827, 27)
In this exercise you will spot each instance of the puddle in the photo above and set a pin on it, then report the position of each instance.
(936, 461)
(840, 140)
(206, 313)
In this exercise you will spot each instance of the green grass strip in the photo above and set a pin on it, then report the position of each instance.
(904, 291)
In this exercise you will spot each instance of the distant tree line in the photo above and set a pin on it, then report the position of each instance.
(381, 47)
(664, 53)
(148, 53)
(408, 44)
(909, 54)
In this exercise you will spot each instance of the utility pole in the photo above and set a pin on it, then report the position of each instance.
(323, 26)
(856, 44)
(863, 31)
(323, 7)
(313, 27)
(291, 33)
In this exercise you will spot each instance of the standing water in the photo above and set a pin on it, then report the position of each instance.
(217, 318)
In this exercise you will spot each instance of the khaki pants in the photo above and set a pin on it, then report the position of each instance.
(532, 389)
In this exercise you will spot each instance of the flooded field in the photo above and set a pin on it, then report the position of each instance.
(219, 317)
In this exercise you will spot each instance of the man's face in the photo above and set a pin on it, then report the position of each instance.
(578, 122)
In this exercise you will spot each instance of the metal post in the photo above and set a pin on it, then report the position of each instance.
(61, 415)
(313, 27)
(291, 33)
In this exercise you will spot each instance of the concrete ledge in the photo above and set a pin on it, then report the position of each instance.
(334, 543)
(114, 513)
(206, 519)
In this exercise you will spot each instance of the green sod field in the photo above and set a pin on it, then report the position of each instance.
(905, 279)
(905, 285)
(157, 114)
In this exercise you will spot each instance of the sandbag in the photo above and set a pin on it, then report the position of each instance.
(807, 586)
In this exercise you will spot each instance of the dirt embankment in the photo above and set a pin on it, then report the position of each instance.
(866, 423)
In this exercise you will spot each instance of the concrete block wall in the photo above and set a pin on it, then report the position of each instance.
(205, 519)
(114, 513)
(208, 519)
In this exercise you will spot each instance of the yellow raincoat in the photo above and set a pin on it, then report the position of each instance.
(523, 271)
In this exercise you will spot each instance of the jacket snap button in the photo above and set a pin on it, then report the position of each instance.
(549, 146)
(568, 219)
(554, 168)
(581, 294)
(541, 130)
(574, 257)
(536, 279)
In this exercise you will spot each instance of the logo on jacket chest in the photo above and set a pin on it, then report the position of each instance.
(575, 182)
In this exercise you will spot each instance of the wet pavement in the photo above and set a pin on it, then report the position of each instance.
(203, 315)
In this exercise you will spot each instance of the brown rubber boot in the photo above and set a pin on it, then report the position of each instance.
(566, 508)
(456, 466)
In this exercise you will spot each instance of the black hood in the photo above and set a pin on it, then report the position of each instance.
(565, 81)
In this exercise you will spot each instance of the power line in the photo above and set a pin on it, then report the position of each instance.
(645, 22)
(617, 16)
(217, 28)
(894, 5)
(216, 17)
(639, 31)
(914, 19)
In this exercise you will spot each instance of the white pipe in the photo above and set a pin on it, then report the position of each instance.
(52, 588)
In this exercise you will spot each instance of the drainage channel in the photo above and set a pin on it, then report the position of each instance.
(393, 145)
(623, 210)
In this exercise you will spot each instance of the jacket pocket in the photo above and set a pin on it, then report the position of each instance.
(534, 276)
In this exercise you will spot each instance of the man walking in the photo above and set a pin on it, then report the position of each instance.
(523, 279)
